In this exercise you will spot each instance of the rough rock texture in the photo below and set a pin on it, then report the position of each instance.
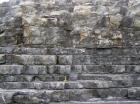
(70, 52)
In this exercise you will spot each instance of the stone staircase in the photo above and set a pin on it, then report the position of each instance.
(61, 52)
(46, 76)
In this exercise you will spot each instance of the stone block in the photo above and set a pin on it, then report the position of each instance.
(133, 93)
(35, 69)
(11, 69)
(65, 59)
(85, 59)
(35, 59)
(2, 59)
(59, 69)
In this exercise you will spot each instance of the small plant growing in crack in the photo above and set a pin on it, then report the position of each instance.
(65, 79)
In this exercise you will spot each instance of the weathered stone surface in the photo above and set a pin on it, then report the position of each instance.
(35, 70)
(35, 59)
(2, 59)
(107, 102)
(65, 59)
(102, 28)
(133, 93)
(70, 52)
(11, 69)
(105, 60)
(29, 51)
(50, 36)
(95, 69)
(32, 78)
(59, 69)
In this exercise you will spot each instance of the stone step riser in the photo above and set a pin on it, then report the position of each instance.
(96, 84)
(37, 77)
(32, 78)
(70, 60)
(66, 69)
(71, 51)
(67, 60)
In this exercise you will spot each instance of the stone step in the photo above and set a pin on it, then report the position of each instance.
(105, 60)
(73, 59)
(133, 51)
(23, 96)
(59, 72)
(102, 69)
(106, 102)
(100, 102)
(59, 96)
(26, 96)
(24, 59)
(71, 77)
(109, 77)
(32, 78)
(62, 85)
(67, 69)
(117, 78)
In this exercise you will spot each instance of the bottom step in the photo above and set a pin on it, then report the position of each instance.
(100, 102)
(71, 96)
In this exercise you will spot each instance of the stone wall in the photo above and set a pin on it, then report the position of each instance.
(70, 52)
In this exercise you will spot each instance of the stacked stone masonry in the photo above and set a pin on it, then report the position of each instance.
(70, 52)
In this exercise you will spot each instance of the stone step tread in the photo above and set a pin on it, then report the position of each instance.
(70, 94)
(65, 81)
(61, 85)
(44, 90)
(113, 102)
(103, 102)
(137, 89)
(108, 76)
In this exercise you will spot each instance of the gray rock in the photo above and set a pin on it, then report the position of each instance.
(35, 59)
(65, 59)
(59, 69)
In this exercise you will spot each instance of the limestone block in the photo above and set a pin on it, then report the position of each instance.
(65, 59)
(35, 59)
(59, 69)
